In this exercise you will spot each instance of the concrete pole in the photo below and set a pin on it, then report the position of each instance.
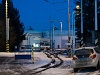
(73, 32)
(73, 29)
(96, 24)
(96, 28)
(68, 19)
(74, 43)
(69, 46)
(6, 20)
(82, 41)
(53, 37)
(7, 28)
(61, 33)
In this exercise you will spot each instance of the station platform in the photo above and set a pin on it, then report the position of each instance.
(39, 59)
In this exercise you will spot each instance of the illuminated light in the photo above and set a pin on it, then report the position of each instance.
(77, 7)
(35, 45)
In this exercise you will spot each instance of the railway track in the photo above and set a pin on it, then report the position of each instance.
(56, 61)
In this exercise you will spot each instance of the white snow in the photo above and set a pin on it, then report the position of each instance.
(39, 60)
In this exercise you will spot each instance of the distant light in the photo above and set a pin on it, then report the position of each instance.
(77, 7)
(35, 45)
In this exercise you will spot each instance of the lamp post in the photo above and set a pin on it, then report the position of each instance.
(77, 12)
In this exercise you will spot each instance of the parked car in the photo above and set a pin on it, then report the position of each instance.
(86, 57)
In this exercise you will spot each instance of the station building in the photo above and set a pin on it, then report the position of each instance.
(46, 39)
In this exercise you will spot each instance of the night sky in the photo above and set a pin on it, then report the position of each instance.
(39, 13)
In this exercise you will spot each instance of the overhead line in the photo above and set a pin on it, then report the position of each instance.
(54, 3)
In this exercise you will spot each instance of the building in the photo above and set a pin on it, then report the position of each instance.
(36, 38)
(61, 39)
(46, 40)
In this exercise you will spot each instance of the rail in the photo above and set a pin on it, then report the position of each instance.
(56, 61)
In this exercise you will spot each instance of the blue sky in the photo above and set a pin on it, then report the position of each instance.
(37, 13)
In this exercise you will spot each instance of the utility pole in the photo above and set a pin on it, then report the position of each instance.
(96, 25)
(73, 30)
(69, 49)
(61, 33)
(7, 27)
(82, 40)
(51, 34)
(52, 37)
(68, 19)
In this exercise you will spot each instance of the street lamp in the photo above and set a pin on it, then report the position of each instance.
(77, 12)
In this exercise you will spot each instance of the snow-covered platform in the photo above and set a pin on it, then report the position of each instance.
(10, 66)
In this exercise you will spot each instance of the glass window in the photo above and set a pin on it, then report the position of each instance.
(83, 51)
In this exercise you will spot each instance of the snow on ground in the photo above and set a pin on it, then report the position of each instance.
(39, 60)
(10, 66)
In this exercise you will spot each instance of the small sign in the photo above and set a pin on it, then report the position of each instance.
(23, 56)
